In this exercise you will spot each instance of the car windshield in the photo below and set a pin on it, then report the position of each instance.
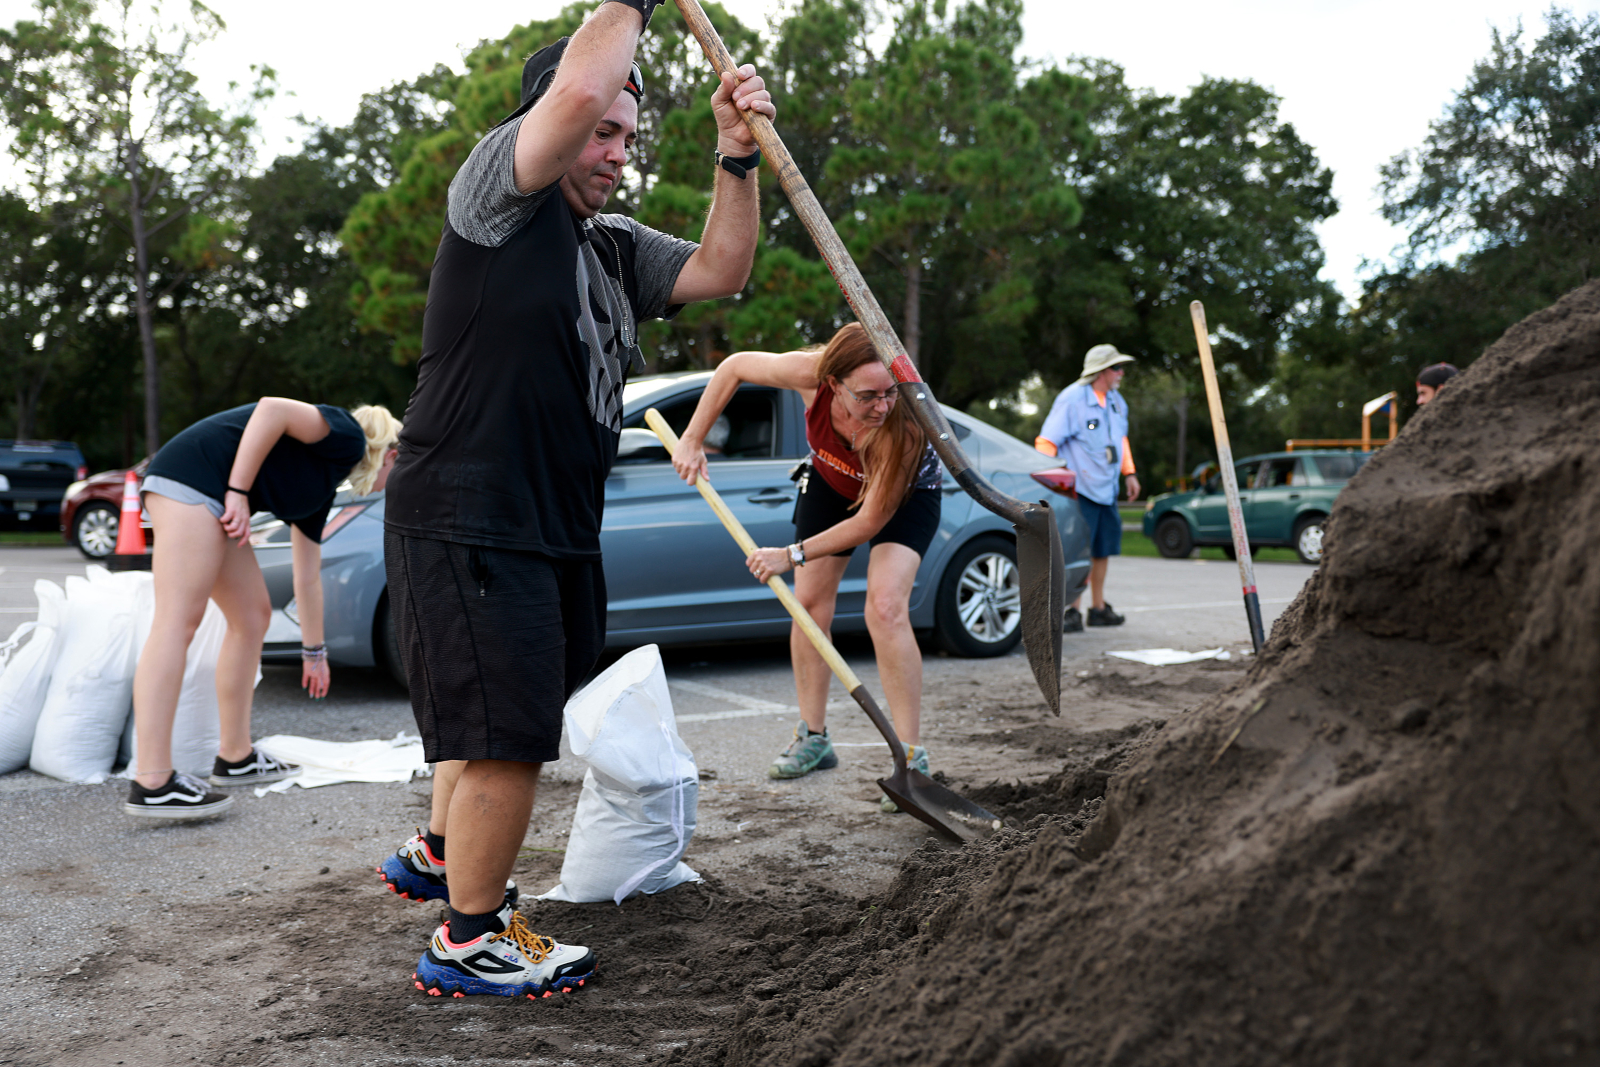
(1340, 468)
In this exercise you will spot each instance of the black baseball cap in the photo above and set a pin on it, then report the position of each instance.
(1436, 374)
(540, 71)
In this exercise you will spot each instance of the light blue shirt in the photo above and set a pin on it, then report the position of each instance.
(1088, 438)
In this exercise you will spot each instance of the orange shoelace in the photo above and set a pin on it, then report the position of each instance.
(534, 946)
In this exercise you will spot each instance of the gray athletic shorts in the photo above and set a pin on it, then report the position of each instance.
(183, 494)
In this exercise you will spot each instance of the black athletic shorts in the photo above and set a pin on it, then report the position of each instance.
(493, 641)
(820, 506)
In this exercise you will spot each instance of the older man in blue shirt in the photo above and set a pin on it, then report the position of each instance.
(1087, 429)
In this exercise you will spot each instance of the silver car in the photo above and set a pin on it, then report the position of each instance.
(673, 575)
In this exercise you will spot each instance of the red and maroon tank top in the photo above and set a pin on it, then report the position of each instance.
(837, 462)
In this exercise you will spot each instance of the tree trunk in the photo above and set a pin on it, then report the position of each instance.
(141, 291)
(913, 328)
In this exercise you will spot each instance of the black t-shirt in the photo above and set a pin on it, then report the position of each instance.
(530, 330)
(297, 481)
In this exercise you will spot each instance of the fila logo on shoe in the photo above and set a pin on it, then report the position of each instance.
(488, 963)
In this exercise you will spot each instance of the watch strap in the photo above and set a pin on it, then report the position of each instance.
(739, 166)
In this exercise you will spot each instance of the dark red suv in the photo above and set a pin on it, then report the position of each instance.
(92, 510)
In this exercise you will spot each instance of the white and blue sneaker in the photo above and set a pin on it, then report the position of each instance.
(413, 872)
(514, 962)
(181, 797)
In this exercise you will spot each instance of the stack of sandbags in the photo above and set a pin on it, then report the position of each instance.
(91, 688)
(26, 662)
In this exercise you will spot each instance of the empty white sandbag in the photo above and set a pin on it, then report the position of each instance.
(91, 687)
(636, 813)
(28, 657)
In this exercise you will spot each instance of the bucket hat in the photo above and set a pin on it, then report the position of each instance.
(1099, 358)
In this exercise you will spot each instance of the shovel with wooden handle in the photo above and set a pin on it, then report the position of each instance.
(1041, 566)
(951, 814)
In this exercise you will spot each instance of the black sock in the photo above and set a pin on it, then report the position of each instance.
(435, 844)
(464, 928)
(815, 733)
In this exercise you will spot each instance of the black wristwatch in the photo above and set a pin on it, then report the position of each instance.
(645, 8)
(739, 166)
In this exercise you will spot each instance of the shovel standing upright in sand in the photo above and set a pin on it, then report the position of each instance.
(951, 814)
(1040, 564)
(1230, 484)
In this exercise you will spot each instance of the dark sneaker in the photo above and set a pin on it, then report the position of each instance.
(258, 768)
(1072, 622)
(515, 962)
(1105, 617)
(917, 760)
(182, 797)
(413, 872)
(806, 753)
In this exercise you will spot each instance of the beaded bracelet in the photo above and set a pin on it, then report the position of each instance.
(314, 652)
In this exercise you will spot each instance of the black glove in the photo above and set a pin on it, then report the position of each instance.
(643, 7)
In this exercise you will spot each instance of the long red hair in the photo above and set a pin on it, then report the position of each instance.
(889, 453)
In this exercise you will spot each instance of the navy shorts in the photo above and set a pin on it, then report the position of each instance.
(493, 641)
(1105, 528)
(821, 507)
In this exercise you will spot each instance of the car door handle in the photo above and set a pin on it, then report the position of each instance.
(1294, 496)
(771, 496)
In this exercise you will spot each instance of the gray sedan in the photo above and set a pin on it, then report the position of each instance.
(673, 574)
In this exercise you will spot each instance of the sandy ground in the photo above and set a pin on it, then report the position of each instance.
(265, 937)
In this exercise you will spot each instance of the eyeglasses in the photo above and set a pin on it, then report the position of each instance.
(870, 398)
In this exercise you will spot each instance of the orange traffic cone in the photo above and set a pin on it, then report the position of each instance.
(130, 532)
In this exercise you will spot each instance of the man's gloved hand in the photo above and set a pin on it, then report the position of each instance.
(729, 103)
(643, 7)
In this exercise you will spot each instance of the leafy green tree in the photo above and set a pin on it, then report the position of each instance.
(114, 105)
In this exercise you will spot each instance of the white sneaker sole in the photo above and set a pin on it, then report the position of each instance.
(165, 814)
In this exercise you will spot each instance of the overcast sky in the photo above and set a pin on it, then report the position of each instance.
(1359, 79)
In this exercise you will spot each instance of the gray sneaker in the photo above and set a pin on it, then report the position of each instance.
(917, 760)
(806, 753)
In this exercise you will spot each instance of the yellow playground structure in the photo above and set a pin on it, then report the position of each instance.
(1384, 403)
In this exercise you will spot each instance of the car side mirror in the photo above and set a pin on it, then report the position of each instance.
(639, 445)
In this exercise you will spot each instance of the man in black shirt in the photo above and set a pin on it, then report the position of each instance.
(493, 513)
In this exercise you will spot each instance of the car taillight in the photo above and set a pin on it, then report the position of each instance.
(83, 472)
(1060, 479)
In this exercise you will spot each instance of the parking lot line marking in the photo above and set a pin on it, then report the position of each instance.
(1209, 604)
(728, 696)
(742, 713)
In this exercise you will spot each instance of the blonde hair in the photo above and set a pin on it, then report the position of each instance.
(889, 453)
(382, 430)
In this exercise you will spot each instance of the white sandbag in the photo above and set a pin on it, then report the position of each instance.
(91, 688)
(636, 813)
(27, 659)
(196, 728)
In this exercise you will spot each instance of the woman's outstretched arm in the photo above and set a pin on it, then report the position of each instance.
(306, 556)
(781, 370)
(273, 417)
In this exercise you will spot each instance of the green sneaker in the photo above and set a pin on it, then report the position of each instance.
(917, 760)
(806, 753)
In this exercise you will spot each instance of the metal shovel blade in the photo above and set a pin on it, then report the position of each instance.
(949, 813)
(1041, 572)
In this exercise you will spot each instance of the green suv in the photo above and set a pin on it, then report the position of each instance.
(1285, 498)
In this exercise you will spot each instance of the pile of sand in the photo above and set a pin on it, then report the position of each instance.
(1394, 859)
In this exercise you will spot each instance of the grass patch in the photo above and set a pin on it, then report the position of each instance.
(31, 537)
(1137, 544)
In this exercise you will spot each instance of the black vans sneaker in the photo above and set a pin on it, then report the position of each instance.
(1097, 617)
(257, 768)
(182, 797)
(1072, 621)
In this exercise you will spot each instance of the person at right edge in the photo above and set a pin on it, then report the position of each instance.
(1087, 428)
(492, 540)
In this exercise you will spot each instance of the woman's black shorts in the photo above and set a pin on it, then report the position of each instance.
(493, 641)
(821, 506)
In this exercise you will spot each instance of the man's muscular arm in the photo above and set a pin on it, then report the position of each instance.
(721, 265)
(592, 73)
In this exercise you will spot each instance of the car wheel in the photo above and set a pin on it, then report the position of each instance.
(979, 610)
(1173, 539)
(389, 644)
(1308, 539)
(95, 529)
